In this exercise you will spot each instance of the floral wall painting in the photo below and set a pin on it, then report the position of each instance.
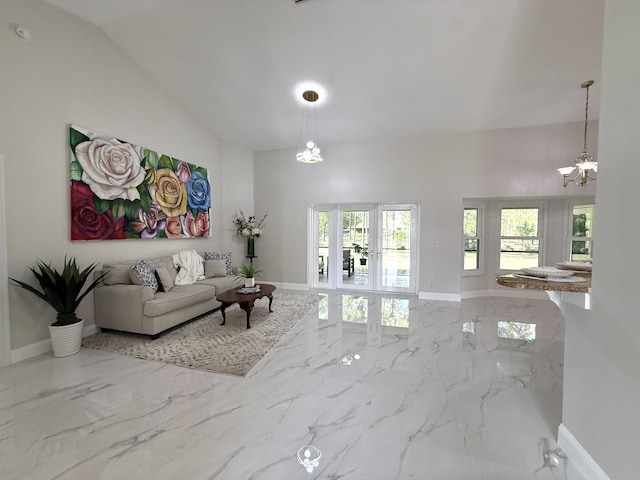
(120, 190)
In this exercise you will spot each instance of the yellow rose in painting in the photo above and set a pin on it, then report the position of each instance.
(169, 192)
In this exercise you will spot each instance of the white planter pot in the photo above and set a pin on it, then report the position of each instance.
(66, 339)
(249, 282)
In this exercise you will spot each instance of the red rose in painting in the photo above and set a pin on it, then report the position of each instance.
(86, 222)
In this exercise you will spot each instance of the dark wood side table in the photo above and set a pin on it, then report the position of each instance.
(245, 300)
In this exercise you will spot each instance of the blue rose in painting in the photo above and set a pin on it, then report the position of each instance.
(198, 192)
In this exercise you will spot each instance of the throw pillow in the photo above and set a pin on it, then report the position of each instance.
(160, 286)
(133, 277)
(215, 268)
(220, 256)
(145, 276)
(164, 278)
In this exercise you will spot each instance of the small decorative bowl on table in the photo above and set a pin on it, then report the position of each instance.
(546, 272)
(578, 266)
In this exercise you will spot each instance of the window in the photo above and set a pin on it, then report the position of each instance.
(581, 241)
(519, 238)
(471, 233)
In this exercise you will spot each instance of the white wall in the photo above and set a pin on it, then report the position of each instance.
(602, 346)
(438, 171)
(5, 326)
(237, 193)
(70, 72)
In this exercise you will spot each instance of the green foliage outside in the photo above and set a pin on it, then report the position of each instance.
(470, 222)
(395, 312)
(355, 308)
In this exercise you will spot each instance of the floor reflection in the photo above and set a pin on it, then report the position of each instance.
(384, 386)
(516, 335)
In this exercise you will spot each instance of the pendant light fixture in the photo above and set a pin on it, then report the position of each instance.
(309, 151)
(585, 169)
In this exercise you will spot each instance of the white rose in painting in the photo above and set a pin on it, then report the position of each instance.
(112, 169)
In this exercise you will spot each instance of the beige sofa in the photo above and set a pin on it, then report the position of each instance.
(122, 305)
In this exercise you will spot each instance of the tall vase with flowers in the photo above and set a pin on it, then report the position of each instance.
(250, 228)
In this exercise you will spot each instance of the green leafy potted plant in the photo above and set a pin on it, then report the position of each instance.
(248, 272)
(362, 251)
(64, 292)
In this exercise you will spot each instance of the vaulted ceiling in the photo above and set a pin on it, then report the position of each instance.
(391, 68)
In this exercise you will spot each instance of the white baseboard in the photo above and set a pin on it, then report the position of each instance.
(457, 297)
(445, 297)
(578, 456)
(43, 346)
(511, 293)
(289, 286)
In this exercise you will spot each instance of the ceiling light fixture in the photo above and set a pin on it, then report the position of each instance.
(586, 167)
(309, 457)
(310, 153)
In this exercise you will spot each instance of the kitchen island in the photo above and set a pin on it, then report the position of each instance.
(561, 285)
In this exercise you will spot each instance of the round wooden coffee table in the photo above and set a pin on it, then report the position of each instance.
(245, 300)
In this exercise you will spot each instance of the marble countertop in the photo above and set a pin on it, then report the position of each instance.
(544, 284)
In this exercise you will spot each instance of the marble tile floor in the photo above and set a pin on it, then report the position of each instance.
(387, 387)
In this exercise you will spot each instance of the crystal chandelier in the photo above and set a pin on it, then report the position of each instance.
(585, 169)
(309, 130)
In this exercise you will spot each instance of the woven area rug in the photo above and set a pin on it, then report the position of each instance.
(205, 345)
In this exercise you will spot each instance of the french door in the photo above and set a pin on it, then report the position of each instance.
(364, 247)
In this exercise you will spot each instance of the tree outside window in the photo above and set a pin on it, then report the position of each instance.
(581, 242)
(519, 238)
(471, 239)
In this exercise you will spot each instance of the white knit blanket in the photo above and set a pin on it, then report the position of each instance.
(190, 267)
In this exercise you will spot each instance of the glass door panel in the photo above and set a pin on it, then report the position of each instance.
(322, 246)
(397, 251)
(357, 235)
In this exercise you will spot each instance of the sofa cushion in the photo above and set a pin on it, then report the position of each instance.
(215, 268)
(180, 296)
(220, 256)
(145, 275)
(221, 284)
(165, 282)
(166, 262)
(117, 273)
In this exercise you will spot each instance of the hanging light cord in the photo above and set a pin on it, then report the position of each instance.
(586, 121)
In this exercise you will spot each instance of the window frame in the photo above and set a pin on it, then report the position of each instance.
(569, 226)
(479, 237)
(542, 219)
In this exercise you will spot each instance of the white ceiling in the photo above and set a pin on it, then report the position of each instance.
(391, 68)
